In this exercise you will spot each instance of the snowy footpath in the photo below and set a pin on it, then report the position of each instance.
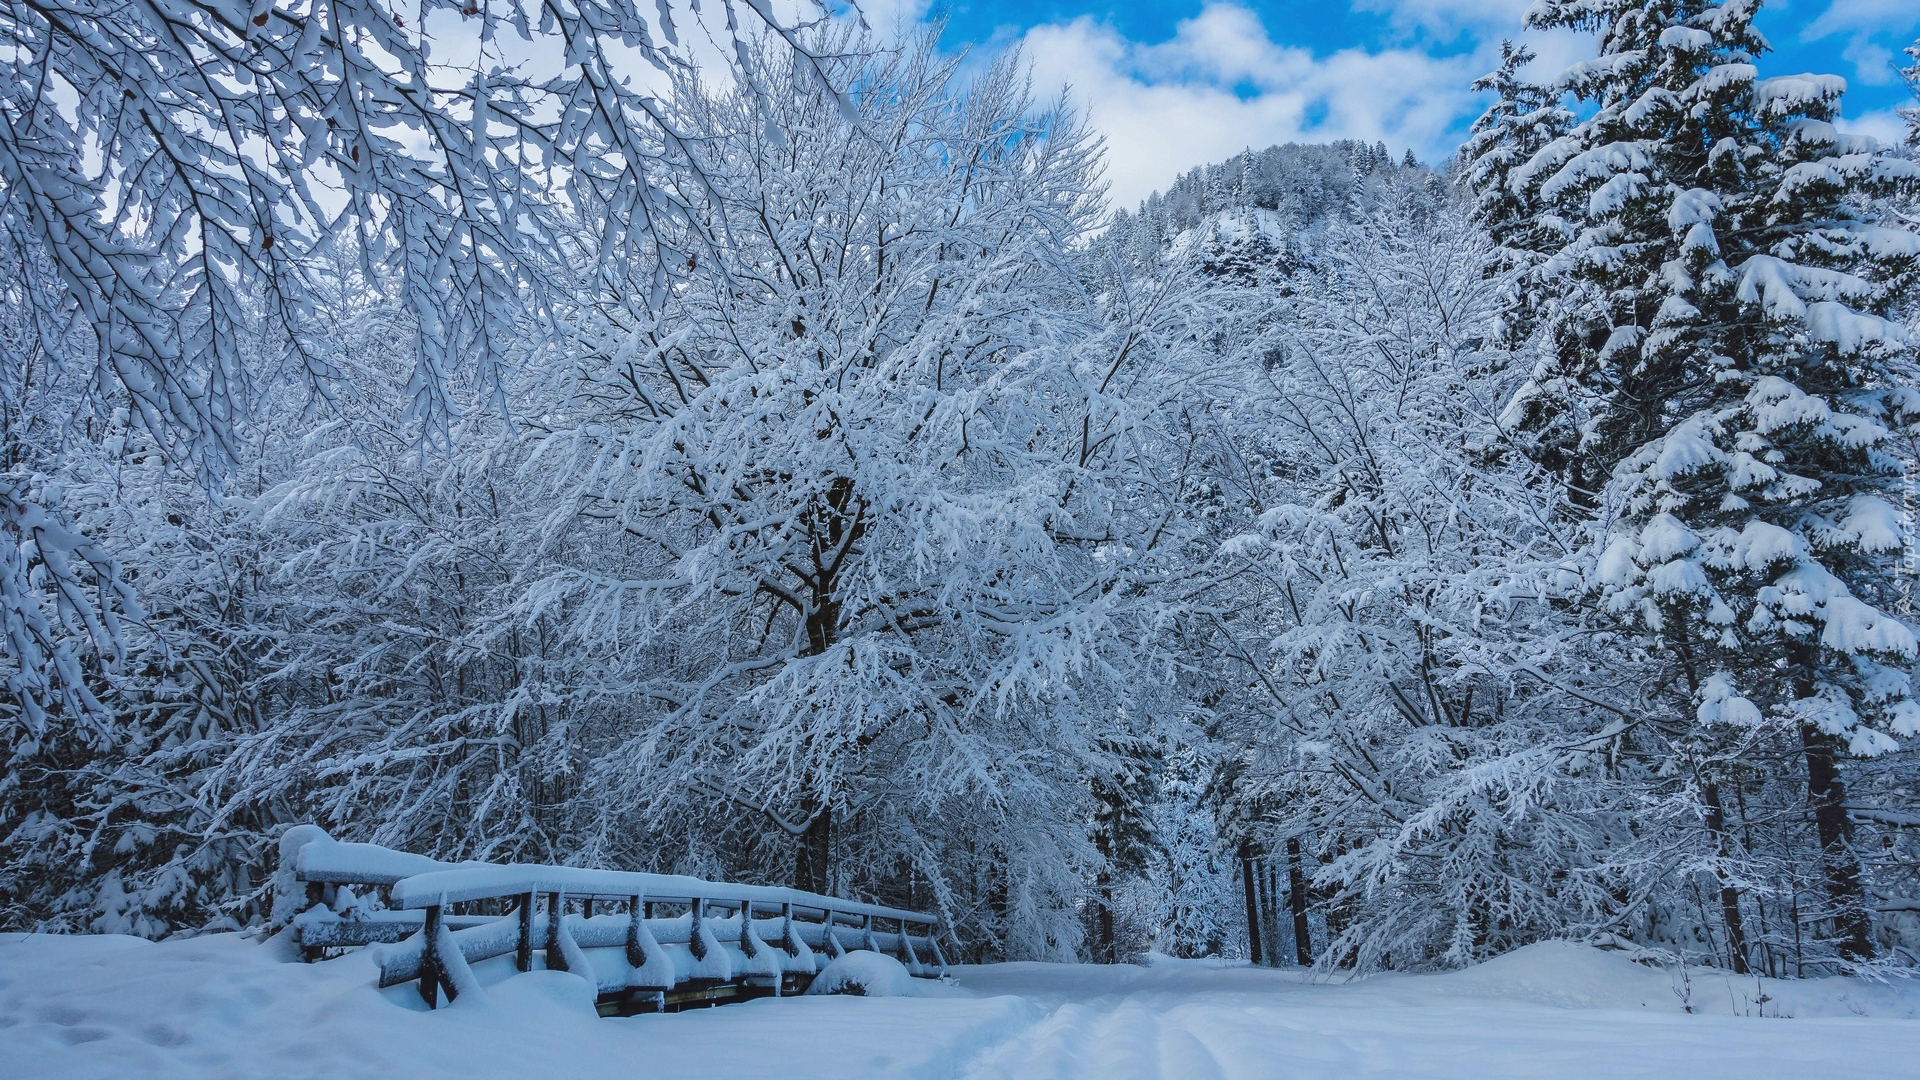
(78, 1007)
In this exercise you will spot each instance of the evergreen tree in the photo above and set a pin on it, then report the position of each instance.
(1726, 351)
(1123, 782)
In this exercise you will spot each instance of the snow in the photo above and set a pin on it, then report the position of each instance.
(1854, 627)
(1720, 703)
(1594, 164)
(1248, 223)
(1770, 282)
(1873, 524)
(1849, 330)
(1720, 77)
(1693, 206)
(1617, 565)
(1787, 94)
(1761, 545)
(1822, 133)
(322, 858)
(1686, 37)
(218, 1005)
(420, 882)
(1665, 537)
(865, 973)
(1778, 404)
(440, 884)
(1239, 225)
(1687, 447)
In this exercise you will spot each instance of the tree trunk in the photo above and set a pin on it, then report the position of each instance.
(810, 865)
(1103, 919)
(1845, 891)
(1729, 896)
(1297, 888)
(1263, 888)
(1271, 874)
(842, 517)
(1253, 902)
(1827, 793)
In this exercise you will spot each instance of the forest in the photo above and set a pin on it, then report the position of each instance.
(487, 433)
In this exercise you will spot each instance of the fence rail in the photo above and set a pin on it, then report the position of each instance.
(646, 941)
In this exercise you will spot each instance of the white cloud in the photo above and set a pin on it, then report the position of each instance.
(1868, 15)
(1222, 84)
(1885, 125)
(1448, 19)
(1872, 63)
(892, 18)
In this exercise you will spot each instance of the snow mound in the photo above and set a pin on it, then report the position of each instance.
(865, 974)
(1565, 975)
(1568, 975)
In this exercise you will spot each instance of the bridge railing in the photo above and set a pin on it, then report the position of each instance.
(655, 935)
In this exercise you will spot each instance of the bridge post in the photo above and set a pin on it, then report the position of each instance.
(635, 956)
(933, 938)
(556, 959)
(834, 949)
(789, 944)
(696, 943)
(747, 947)
(430, 958)
(523, 952)
(750, 943)
(787, 932)
(907, 954)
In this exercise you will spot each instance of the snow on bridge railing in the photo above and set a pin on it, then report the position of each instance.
(635, 957)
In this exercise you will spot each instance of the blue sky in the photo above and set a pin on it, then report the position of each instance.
(1174, 83)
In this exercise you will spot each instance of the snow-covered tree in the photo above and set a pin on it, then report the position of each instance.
(857, 536)
(1734, 383)
(1418, 718)
(170, 172)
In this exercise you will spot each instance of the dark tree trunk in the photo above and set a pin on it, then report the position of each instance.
(1275, 912)
(1845, 892)
(1297, 890)
(1729, 896)
(1827, 794)
(1263, 887)
(836, 524)
(1253, 903)
(810, 864)
(1103, 919)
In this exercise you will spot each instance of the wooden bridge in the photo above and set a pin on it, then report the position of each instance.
(648, 942)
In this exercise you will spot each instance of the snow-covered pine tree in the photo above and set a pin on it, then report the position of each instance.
(1737, 383)
(1123, 796)
(1198, 901)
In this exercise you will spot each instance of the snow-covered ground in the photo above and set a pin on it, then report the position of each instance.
(75, 1007)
